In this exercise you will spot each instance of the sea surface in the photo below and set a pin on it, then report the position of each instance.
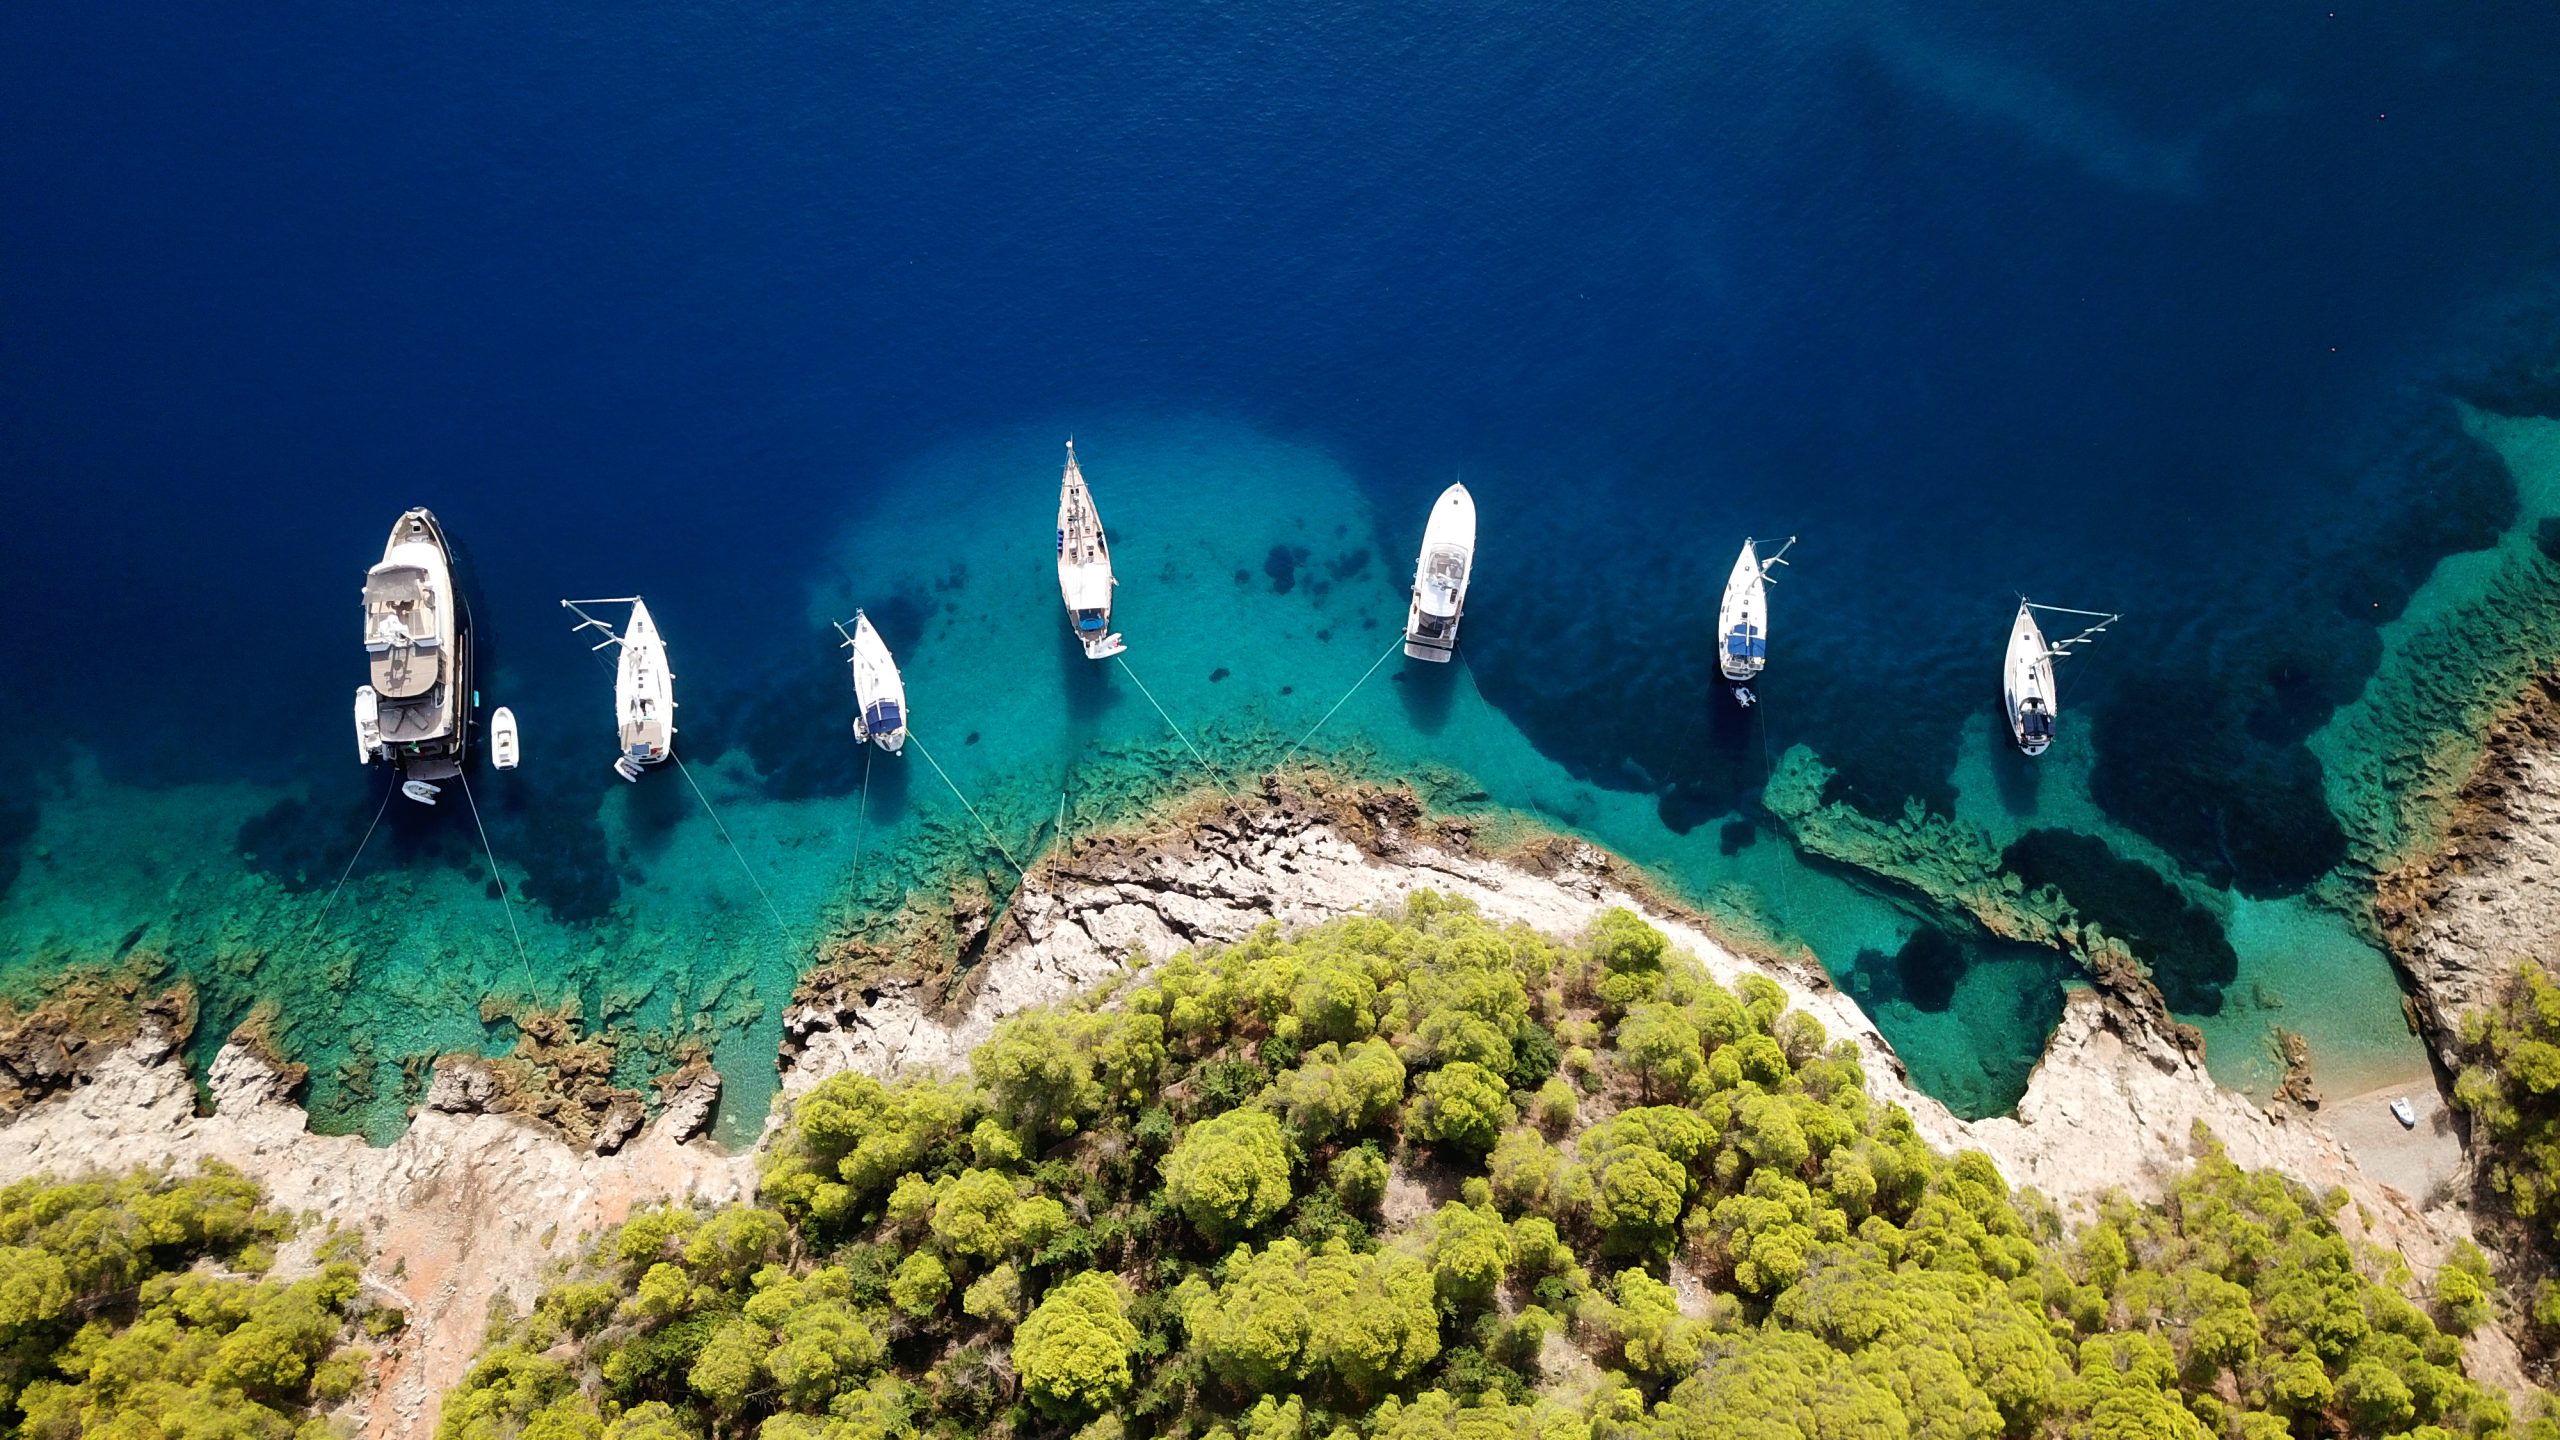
(2238, 320)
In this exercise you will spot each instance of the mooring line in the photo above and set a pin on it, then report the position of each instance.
(861, 814)
(1213, 770)
(1338, 704)
(1768, 777)
(378, 813)
(965, 805)
(734, 851)
(533, 991)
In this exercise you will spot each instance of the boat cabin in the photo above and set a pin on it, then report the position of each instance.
(402, 631)
(2034, 721)
(1442, 581)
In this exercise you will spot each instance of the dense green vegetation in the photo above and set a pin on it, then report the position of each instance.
(2510, 1086)
(1431, 1179)
(133, 1308)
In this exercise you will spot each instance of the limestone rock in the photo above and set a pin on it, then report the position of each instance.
(622, 1120)
(692, 1095)
(462, 1086)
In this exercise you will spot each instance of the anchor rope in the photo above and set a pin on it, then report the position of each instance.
(734, 851)
(1168, 720)
(378, 813)
(705, 800)
(1338, 704)
(500, 881)
(1768, 777)
(861, 814)
(965, 805)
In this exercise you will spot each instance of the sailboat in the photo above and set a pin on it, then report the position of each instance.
(644, 687)
(879, 696)
(1440, 576)
(415, 714)
(1743, 617)
(1084, 566)
(2026, 679)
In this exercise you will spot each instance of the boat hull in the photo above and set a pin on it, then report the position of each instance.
(879, 694)
(1441, 574)
(1742, 619)
(1085, 581)
(503, 751)
(2026, 686)
(416, 714)
(644, 696)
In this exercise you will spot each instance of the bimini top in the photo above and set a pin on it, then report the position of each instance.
(404, 626)
(1746, 643)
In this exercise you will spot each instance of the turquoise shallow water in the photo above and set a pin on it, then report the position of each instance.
(1260, 584)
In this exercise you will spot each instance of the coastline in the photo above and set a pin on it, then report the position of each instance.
(466, 1207)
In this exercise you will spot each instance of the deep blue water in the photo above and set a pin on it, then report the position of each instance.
(2152, 308)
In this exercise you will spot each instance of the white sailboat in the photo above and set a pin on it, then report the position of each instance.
(504, 750)
(1440, 575)
(1742, 620)
(644, 686)
(879, 696)
(2026, 677)
(1084, 566)
(415, 713)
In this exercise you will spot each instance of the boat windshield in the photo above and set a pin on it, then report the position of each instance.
(1089, 620)
(1746, 643)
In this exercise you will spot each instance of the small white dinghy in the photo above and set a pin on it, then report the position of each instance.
(503, 751)
(368, 725)
(2026, 679)
(644, 686)
(1440, 577)
(879, 696)
(1084, 566)
(1742, 620)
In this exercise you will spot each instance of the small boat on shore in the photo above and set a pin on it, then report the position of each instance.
(879, 696)
(1440, 575)
(644, 686)
(1742, 619)
(1084, 566)
(2027, 693)
(415, 712)
(503, 752)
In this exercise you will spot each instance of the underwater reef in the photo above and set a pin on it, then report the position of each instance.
(2472, 638)
(1964, 878)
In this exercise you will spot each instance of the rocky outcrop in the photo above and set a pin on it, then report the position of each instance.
(1966, 879)
(2463, 918)
(688, 1099)
(84, 1022)
(464, 1207)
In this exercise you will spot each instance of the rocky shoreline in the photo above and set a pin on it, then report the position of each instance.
(513, 1161)
(2463, 918)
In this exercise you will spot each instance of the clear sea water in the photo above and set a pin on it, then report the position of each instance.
(769, 311)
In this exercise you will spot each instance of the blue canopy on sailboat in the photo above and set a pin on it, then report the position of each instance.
(1746, 643)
